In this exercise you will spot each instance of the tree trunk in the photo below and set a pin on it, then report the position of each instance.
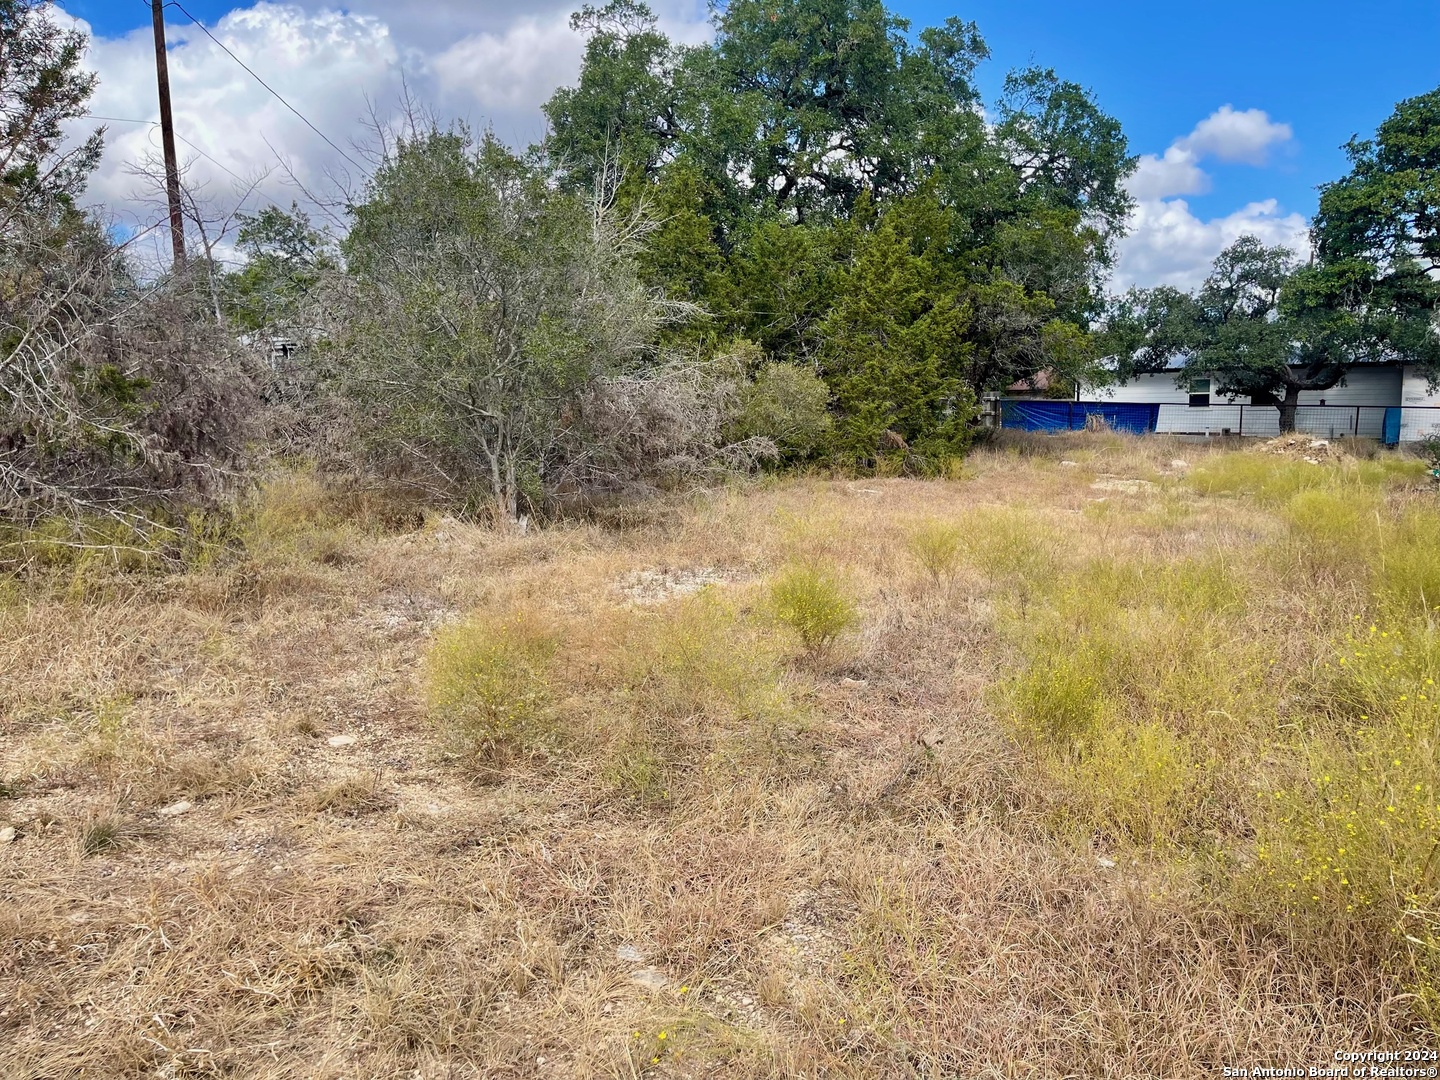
(1288, 405)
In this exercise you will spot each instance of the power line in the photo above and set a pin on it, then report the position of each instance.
(151, 123)
(278, 96)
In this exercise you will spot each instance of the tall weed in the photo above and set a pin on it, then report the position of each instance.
(813, 602)
(489, 688)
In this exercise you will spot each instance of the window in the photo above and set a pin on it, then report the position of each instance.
(1199, 392)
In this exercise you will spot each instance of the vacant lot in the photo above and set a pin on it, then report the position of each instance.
(1089, 762)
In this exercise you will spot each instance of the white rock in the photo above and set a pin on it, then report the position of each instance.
(1069, 464)
(341, 740)
(1106, 864)
(650, 979)
(184, 806)
(7, 834)
(630, 954)
(1179, 463)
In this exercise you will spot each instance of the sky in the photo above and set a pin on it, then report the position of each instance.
(1237, 110)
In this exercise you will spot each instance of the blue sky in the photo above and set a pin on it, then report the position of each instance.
(1300, 79)
(1328, 69)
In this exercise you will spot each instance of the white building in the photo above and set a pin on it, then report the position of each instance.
(1358, 406)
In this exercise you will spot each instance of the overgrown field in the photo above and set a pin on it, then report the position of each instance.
(1087, 762)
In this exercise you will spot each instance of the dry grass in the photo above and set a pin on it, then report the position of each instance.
(463, 807)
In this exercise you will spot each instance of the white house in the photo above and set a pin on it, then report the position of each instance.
(1358, 406)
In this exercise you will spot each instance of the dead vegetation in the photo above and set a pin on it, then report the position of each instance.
(819, 778)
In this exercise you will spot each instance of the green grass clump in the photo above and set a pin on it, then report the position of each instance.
(1348, 829)
(1272, 480)
(100, 834)
(696, 693)
(489, 688)
(812, 602)
(1407, 565)
(1134, 782)
(1133, 693)
(1016, 548)
(701, 659)
(938, 547)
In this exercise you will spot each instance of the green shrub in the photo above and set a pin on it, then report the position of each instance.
(1136, 784)
(1060, 702)
(1012, 546)
(812, 602)
(700, 659)
(937, 546)
(785, 403)
(488, 686)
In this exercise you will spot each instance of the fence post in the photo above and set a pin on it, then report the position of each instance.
(1241, 429)
(1357, 421)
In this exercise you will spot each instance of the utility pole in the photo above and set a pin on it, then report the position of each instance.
(167, 136)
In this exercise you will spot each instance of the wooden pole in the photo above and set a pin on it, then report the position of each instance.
(167, 136)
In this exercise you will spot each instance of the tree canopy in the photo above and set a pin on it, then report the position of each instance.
(808, 140)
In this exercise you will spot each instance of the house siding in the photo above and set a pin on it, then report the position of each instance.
(1380, 386)
(1421, 418)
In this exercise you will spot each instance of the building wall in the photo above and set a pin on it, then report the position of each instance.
(1379, 386)
(1421, 418)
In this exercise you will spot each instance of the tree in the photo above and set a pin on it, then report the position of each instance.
(1066, 153)
(485, 306)
(773, 154)
(895, 343)
(286, 259)
(1374, 290)
(1235, 329)
(42, 87)
(118, 398)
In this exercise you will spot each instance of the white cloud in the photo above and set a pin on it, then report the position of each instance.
(1175, 173)
(1169, 245)
(511, 72)
(1236, 136)
(1225, 134)
(486, 62)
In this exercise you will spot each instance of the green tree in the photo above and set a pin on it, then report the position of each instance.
(485, 307)
(772, 152)
(1374, 291)
(286, 257)
(1263, 328)
(42, 87)
(626, 111)
(1066, 154)
(896, 342)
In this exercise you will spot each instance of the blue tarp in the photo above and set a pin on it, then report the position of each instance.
(1070, 415)
(1392, 426)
